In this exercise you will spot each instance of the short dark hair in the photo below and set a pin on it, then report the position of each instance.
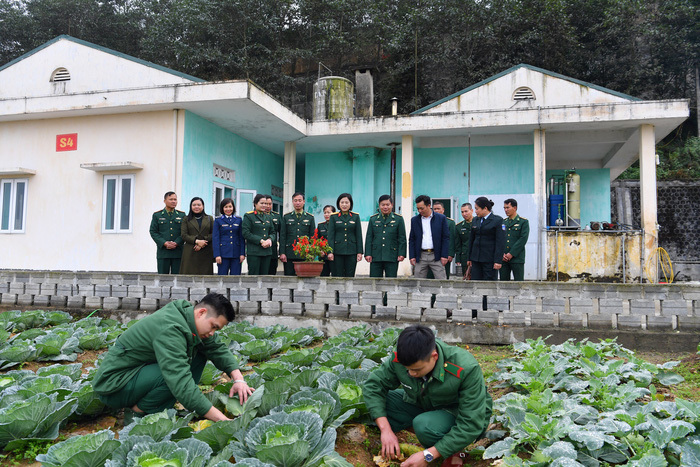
(218, 305)
(344, 195)
(415, 343)
(424, 198)
(484, 203)
(435, 203)
(467, 204)
(268, 197)
(226, 201)
(168, 193)
(512, 202)
(298, 193)
(328, 206)
(385, 198)
(257, 198)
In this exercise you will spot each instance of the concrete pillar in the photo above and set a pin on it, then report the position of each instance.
(541, 197)
(290, 173)
(363, 162)
(364, 92)
(406, 205)
(647, 191)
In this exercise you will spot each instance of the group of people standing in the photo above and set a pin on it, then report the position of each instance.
(486, 246)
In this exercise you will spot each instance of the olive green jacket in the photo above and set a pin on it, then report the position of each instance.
(464, 231)
(257, 226)
(294, 227)
(322, 228)
(279, 227)
(166, 227)
(456, 385)
(345, 233)
(453, 237)
(169, 338)
(517, 232)
(386, 237)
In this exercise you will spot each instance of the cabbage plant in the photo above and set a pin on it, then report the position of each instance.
(287, 440)
(161, 426)
(38, 417)
(91, 450)
(259, 350)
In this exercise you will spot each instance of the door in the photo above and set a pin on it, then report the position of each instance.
(244, 200)
(221, 191)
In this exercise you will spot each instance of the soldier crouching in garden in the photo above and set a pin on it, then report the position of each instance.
(160, 359)
(441, 394)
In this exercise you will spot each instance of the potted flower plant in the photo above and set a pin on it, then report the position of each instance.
(310, 250)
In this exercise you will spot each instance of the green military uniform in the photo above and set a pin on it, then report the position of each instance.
(166, 227)
(279, 226)
(295, 225)
(449, 410)
(517, 232)
(257, 226)
(323, 232)
(345, 237)
(385, 242)
(159, 360)
(451, 249)
(464, 230)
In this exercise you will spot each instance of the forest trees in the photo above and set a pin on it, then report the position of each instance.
(419, 50)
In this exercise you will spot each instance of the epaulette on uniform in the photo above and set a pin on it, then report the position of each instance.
(353, 212)
(251, 212)
(375, 214)
(454, 370)
(450, 219)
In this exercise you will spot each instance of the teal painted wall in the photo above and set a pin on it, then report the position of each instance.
(206, 144)
(439, 172)
(495, 170)
(595, 194)
(327, 175)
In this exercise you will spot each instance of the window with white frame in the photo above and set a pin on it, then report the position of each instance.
(117, 203)
(13, 205)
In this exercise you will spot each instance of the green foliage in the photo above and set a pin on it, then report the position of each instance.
(588, 402)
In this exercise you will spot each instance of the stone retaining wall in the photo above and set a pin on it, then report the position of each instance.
(633, 307)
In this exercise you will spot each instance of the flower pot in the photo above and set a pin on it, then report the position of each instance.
(308, 268)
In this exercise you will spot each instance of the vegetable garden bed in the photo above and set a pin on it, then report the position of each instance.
(579, 403)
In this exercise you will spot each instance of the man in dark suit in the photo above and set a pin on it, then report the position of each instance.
(429, 241)
(486, 242)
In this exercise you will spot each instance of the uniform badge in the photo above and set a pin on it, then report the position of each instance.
(503, 227)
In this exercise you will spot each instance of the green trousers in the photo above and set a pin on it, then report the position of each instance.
(517, 268)
(327, 266)
(169, 265)
(272, 270)
(381, 268)
(148, 391)
(259, 265)
(289, 267)
(430, 426)
(344, 265)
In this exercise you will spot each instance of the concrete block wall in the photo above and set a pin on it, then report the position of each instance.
(634, 307)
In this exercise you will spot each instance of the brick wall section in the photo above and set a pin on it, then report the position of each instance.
(637, 307)
(679, 230)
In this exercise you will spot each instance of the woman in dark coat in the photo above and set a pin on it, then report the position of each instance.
(229, 245)
(197, 253)
(322, 229)
(487, 241)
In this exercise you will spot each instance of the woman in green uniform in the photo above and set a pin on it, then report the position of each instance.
(322, 229)
(345, 237)
(196, 232)
(257, 231)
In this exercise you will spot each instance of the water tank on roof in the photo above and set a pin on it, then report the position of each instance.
(334, 98)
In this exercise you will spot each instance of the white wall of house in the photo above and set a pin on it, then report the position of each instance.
(549, 91)
(90, 69)
(64, 214)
